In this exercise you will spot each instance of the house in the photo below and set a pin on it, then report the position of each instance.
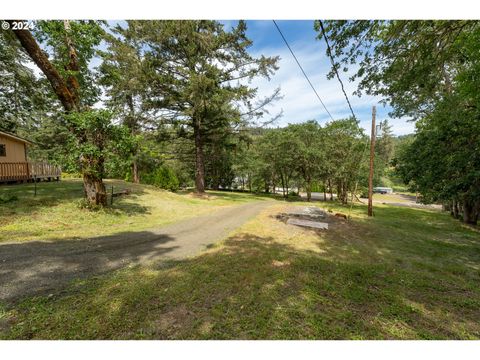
(14, 165)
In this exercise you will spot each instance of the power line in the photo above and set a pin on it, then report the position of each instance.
(329, 52)
(300, 66)
(332, 61)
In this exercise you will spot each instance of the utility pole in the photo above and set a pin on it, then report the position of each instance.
(372, 156)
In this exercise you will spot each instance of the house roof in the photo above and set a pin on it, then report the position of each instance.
(15, 137)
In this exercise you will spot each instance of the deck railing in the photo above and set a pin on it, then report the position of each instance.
(21, 171)
(44, 170)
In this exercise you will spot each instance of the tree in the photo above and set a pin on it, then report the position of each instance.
(309, 152)
(123, 76)
(427, 70)
(23, 97)
(195, 73)
(73, 45)
(345, 156)
(411, 64)
(92, 138)
(277, 148)
(443, 161)
(384, 150)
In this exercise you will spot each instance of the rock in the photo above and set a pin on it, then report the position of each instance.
(308, 223)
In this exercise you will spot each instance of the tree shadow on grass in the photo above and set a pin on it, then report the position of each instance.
(51, 194)
(38, 267)
(255, 288)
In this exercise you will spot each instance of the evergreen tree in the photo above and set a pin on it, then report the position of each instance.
(194, 72)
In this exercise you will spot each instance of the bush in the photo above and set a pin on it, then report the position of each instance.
(84, 204)
(163, 177)
(72, 175)
(364, 194)
(292, 195)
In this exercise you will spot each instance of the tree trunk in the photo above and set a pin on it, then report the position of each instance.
(93, 186)
(339, 191)
(136, 177)
(59, 85)
(94, 189)
(477, 210)
(199, 161)
(331, 190)
(72, 67)
(309, 190)
(130, 122)
(469, 213)
(324, 191)
(287, 183)
(455, 209)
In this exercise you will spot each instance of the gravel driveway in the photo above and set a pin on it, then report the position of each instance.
(38, 267)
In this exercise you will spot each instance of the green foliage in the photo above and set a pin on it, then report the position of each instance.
(191, 72)
(85, 36)
(71, 175)
(305, 154)
(443, 159)
(93, 139)
(7, 198)
(84, 204)
(409, 63)
(24, 98)
(427, 70)
(384, 151)
(163, 177)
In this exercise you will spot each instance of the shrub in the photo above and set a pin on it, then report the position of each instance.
(84, 204)
(163, 177)
(71, 175)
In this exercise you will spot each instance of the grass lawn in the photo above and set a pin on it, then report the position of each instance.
(54, 213)
(405, 274)
(397, 197)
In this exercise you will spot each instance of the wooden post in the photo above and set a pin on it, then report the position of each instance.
(372, 156)
(35, 181)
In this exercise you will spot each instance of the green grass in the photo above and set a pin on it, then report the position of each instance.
(55, 214)
(394, 198)
(405, 274)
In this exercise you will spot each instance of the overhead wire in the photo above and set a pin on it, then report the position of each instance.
(301, 68)
(330, 55)
(334, 67)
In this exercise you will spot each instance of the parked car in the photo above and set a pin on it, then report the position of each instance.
(382, 190)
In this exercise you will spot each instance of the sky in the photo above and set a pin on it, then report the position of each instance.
(299, 102)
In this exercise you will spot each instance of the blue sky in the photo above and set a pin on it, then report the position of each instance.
(299, 102)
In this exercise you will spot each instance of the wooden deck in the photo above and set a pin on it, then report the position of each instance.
(27, 171)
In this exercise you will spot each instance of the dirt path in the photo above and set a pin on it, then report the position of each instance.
(40, 267)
